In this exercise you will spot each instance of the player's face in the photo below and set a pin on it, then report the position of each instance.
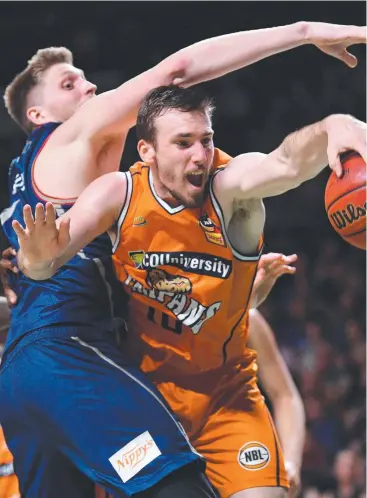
(183, 155)
(63, 89)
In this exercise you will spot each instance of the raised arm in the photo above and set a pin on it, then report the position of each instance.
(279, 386)
(301, 156)
(46, 243)
(113, 111)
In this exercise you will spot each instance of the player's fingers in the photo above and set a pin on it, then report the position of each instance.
(10, 296)
(39, 214)
(28, 217)
(6, 264)
(283, 270)
(349, 59)
(50, 213)
(9, 252)
(260, 275)
(6, 259)
(334, 161)
(276, 264)
(290, 259)
(64, 233)
(18, 229)
(361, 147)
(268, 259)
(290, 269)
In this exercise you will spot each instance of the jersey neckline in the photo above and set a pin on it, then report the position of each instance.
(163, 203)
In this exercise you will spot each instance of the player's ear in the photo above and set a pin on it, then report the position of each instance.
(146, 151)
(36, 116)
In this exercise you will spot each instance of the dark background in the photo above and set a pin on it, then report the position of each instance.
(319, 315)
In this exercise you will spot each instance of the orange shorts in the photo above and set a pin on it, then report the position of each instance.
(242, 450)
(9, 487)
(227, 421)
(234, 431)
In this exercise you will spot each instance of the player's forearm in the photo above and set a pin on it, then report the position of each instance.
(305, 151)
(220, 55)
(289, 418)
(301, 156)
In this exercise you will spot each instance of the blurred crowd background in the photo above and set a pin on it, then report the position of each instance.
(319, 314)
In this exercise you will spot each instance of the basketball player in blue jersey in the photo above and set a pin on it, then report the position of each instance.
(73, 411)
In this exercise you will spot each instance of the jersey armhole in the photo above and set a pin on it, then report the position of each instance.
(124, 210)
(218, 210)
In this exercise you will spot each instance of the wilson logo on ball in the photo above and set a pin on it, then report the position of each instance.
(347, 216)
(253, 456)
(345, 200)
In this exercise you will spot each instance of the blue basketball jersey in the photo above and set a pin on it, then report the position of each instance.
(81, 293)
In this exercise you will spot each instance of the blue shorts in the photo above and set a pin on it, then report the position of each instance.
(75, 412)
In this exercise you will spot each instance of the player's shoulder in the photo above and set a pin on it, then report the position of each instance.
(139, 168)
(220, 159)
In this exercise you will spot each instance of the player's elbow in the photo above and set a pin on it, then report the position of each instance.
(173, 70)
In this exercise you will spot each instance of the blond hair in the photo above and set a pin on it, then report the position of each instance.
(16, 96)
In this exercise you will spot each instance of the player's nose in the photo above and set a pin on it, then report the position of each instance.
(198, 154)
(88, 88)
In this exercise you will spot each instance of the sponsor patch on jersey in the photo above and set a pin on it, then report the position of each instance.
(137, 257)
(192, 262)
(254, 456)
(139, 221)
(211, 231)
(134, 456)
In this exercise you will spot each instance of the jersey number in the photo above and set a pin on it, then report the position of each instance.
(166, 321)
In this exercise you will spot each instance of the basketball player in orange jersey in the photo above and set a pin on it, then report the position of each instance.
(75, 137)
(187, 225)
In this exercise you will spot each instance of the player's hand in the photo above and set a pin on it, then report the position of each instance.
(41, 242)
(294, 479)
(271, 267)
(344, 133)
(334, 39)
(7, 264)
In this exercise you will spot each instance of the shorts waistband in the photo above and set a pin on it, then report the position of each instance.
(49, 333)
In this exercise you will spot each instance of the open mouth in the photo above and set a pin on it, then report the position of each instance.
(196, 179)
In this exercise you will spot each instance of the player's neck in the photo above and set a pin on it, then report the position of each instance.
(162, 192)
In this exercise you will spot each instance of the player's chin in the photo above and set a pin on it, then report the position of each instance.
(194, 199)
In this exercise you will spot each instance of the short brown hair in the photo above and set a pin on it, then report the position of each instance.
(163, 98)
(17, 92)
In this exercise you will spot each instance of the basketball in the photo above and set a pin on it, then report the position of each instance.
(345, 200)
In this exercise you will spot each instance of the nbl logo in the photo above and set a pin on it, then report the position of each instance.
(253, 456)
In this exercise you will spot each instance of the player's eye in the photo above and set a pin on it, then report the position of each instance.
(183, 144)
(68, 85)
(206, 141)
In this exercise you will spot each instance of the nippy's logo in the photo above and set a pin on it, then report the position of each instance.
(133, 457)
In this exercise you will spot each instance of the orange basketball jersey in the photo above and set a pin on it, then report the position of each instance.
(189, 289)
